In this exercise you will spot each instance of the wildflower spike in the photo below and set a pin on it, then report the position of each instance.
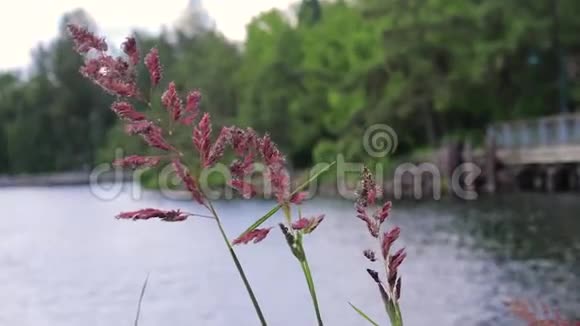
(290, 239)
(374, 275)
(242, 168)
(139, 127)
(244, 140)
(117, 76)
(130, 49)
(246, 189)
(149, 213)
(307, 225)
(153, 136)
(135, 161)
(398, 288)
(218, 148)
(388, 239)
(190, 183)
(111, 74)
(270, 152)
(191, 107)
(391, 290)
(395, 261)
(126, 111)
(370, 255)
(154, 66)
(201, 138)
(254, 236)
(171, 101)
(369, 190)
(384, 212)
(298, 197)
(280, 181)
(276, 173)
(85, 40)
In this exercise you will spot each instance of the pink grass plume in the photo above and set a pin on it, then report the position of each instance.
(136, 161)
(254, 236)
(201, 138)
(171, 101)
(126, 111)
(153, 65)
(149, 213)
(191, 108)
(131, 50)
(84, 40)
(307, 225)
(189, 182)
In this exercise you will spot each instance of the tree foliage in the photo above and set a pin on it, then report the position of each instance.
(316, 77)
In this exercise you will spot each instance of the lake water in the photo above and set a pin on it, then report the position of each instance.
(64, 260)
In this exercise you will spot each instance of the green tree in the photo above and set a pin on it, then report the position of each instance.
(268, 80)
(79, 111)
(309, 12)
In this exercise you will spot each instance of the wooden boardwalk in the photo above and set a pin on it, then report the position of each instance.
(549, 140)
(544, 151)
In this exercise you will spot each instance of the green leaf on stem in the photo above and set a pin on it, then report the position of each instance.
(310, 282)
(395, 314)
(363, 315)
(261, 220)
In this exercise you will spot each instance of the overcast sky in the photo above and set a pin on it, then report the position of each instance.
(25, 23)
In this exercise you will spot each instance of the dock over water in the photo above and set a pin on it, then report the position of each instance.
(539, 154)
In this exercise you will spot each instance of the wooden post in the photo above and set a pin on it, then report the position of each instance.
(516, 173)
(468, 158)
(550, 178)
(543, 131)
(507, 136)
(577, 184)
(490, 162)
(576, 131)
(572, 179)
(538, 181)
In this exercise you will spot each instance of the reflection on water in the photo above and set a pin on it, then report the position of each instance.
(65, 261)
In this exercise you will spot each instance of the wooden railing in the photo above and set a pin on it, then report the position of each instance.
(549, 140)
(555, 130)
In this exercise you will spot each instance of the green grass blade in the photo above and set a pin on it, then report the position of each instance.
(363, 315)
(312, 178)
(311, 288)
(238, 266)
(261, 220)
(143, 289)
(273, 211)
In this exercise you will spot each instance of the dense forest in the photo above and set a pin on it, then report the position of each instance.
(315, 77)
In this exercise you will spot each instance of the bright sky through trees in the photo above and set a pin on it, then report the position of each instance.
(25, 23)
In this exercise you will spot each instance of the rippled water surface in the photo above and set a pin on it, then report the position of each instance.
(64, 260)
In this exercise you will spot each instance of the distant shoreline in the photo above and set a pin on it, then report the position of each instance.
(58, 179)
